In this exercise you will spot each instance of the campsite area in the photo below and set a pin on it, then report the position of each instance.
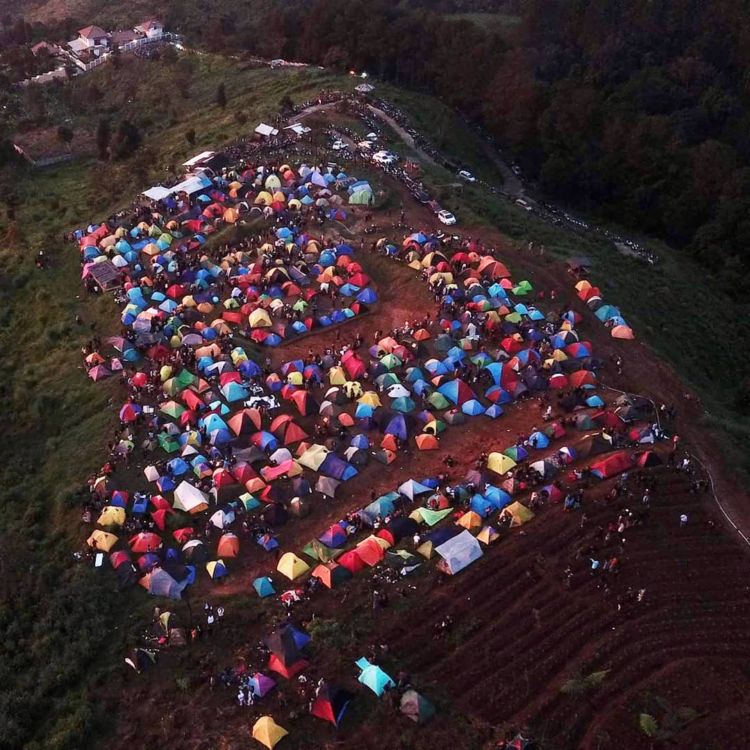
(334, 429)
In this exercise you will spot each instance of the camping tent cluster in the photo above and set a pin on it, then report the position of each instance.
(204, 398)
(276, 284)
(607, 314)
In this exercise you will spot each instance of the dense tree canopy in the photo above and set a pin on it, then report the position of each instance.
(635, 109)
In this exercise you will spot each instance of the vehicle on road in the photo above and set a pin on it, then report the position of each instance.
(446, 217)
(385, 158)
(525, 205)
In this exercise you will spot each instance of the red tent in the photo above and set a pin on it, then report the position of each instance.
(351, 561)
(613, 464)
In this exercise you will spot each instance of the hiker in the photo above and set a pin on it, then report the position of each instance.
(683, 520)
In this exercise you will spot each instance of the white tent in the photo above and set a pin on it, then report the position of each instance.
(189, 498)
(157, 192)
(203, 156)
(459, 552)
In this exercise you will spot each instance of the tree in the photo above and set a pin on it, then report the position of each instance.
(65, 135)
(286, 104)
(190, 136)
(126, 140)
(221, 96)
(103, 135)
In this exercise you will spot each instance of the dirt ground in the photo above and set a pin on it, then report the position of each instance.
(519, 631)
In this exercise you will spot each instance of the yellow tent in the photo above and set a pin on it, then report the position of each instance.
(471, 521)
(582, 285)
(519, 513)
(102, 541)
(500, 463)
(259, 319)
(370, 399)
(264, 198)
(336, 376)
(279, 196)
(426, 549)
(112, 516)
(487, 535)
(292, 566)
(268, 732)
(231, 215)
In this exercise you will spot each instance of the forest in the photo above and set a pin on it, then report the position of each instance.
(637, 110)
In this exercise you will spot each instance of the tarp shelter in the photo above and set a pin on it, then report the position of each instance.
(459, 552)
(268, 732)
(106, 275)
(266, 130)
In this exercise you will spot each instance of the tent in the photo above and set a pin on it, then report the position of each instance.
(416, 707)
(331, 703)
(519, 513)
(459, 552)
(264, 587)
(500, 463)
(268, 732)
(331, 574)
(292, 566)
(374, 677)
(612, 465)
(189, 498)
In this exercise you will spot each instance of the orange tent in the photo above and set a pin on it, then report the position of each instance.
(427, 442)
(229, 546)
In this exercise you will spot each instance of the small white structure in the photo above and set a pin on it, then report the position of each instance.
(364, 88)
(152, 28)
(298, 128)
(267, 131)
(196, 161)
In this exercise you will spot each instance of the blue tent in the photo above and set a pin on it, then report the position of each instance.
(472, 407)
(367, 296)
(336, 467)
(374, 677)
(411, 489)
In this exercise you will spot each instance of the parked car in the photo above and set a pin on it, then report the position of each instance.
(446, 217)
(468, 176)
(421, 195)
(364, 145)
(521, 203)
(384, 157)
(338, 145)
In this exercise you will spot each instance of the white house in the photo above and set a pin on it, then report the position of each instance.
(93, 36)
(152, 29)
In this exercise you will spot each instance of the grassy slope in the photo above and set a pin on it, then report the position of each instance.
(61, 628)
